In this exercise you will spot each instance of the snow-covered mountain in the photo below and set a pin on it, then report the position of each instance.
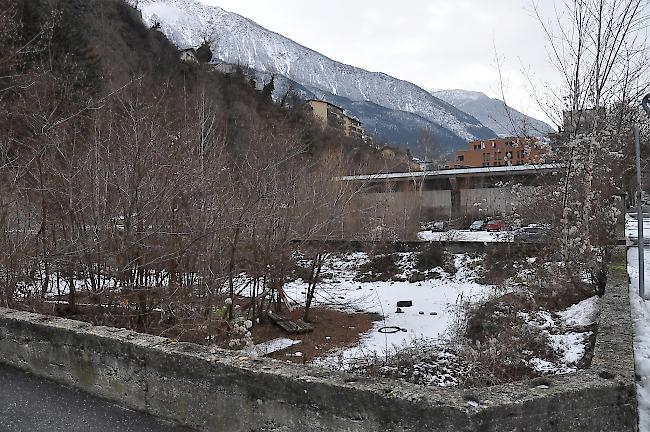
(238, 40)
(493, 113)
(388, 125)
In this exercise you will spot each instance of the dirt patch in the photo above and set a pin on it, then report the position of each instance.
(332, 330)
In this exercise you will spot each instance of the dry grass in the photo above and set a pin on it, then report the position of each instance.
(379, 268)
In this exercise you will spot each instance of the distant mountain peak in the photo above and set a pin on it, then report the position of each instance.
(238, 40)
(494, 113)
(458, 93)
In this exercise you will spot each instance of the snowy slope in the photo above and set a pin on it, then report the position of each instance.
(235, 39)
(493, 113)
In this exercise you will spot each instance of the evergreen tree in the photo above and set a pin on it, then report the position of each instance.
(204, 53)
(267, 91)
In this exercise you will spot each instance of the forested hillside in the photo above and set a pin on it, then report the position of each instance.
(123, 167)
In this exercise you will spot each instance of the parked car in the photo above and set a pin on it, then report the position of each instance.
(532, 234)
(439, 226)
(435, 226)
(496, 225)
(478, 225)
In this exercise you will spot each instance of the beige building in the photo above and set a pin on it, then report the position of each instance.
(387, 152)
(327, 114)
(352, 127)
(581, 121)
(330, 115)
(189, 55)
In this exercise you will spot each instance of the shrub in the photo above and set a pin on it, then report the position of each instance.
(430, 257)
(379, 268)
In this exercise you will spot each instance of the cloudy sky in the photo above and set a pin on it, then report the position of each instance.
(433, 43)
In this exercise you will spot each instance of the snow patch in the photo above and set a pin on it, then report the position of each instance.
(466, 236)
(269, 347)
(641, 319)
(436, 303)
(582, 314)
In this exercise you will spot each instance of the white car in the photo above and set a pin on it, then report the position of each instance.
(477, 225)
(435, 226)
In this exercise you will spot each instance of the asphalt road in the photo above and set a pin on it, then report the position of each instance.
(31, 404)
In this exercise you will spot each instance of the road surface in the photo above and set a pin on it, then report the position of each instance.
(31, 404)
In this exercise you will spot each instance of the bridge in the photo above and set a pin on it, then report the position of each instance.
(454, 192)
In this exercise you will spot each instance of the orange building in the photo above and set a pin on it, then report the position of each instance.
(498, 152)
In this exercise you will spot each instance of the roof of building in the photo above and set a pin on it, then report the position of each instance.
(506, 139)
(503, 170)
(325, 102)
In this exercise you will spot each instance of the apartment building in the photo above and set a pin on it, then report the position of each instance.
(352, 127)
(498, 152)
(330, 115)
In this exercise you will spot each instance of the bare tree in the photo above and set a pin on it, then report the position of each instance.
(599, 49)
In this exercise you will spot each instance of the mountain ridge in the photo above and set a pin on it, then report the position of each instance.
(494, 113)
(239, 40)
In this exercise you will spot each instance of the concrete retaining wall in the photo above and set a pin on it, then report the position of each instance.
(472, 202)
(216, 390)
(491, 200)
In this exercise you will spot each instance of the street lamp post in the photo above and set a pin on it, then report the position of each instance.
(645, 103)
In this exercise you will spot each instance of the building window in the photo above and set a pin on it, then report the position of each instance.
(494, 145)
(461, 158)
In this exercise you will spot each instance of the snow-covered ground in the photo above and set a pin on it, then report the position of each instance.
(436, 302)
(269, 347)
(565, 334)
(467, 236)
(641, 318)
(59, 285)
(632, 226)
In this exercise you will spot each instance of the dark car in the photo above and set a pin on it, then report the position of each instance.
(532, 234)
(496, 225)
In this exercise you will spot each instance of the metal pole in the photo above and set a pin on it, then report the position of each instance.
(645, 103)
(639, 211)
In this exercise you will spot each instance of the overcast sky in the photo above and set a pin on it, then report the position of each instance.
(444, 44)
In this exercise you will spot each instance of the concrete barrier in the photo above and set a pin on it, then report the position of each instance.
(450, 246)
(216, 390)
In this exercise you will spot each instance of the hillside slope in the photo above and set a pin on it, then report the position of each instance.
(237, 40)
